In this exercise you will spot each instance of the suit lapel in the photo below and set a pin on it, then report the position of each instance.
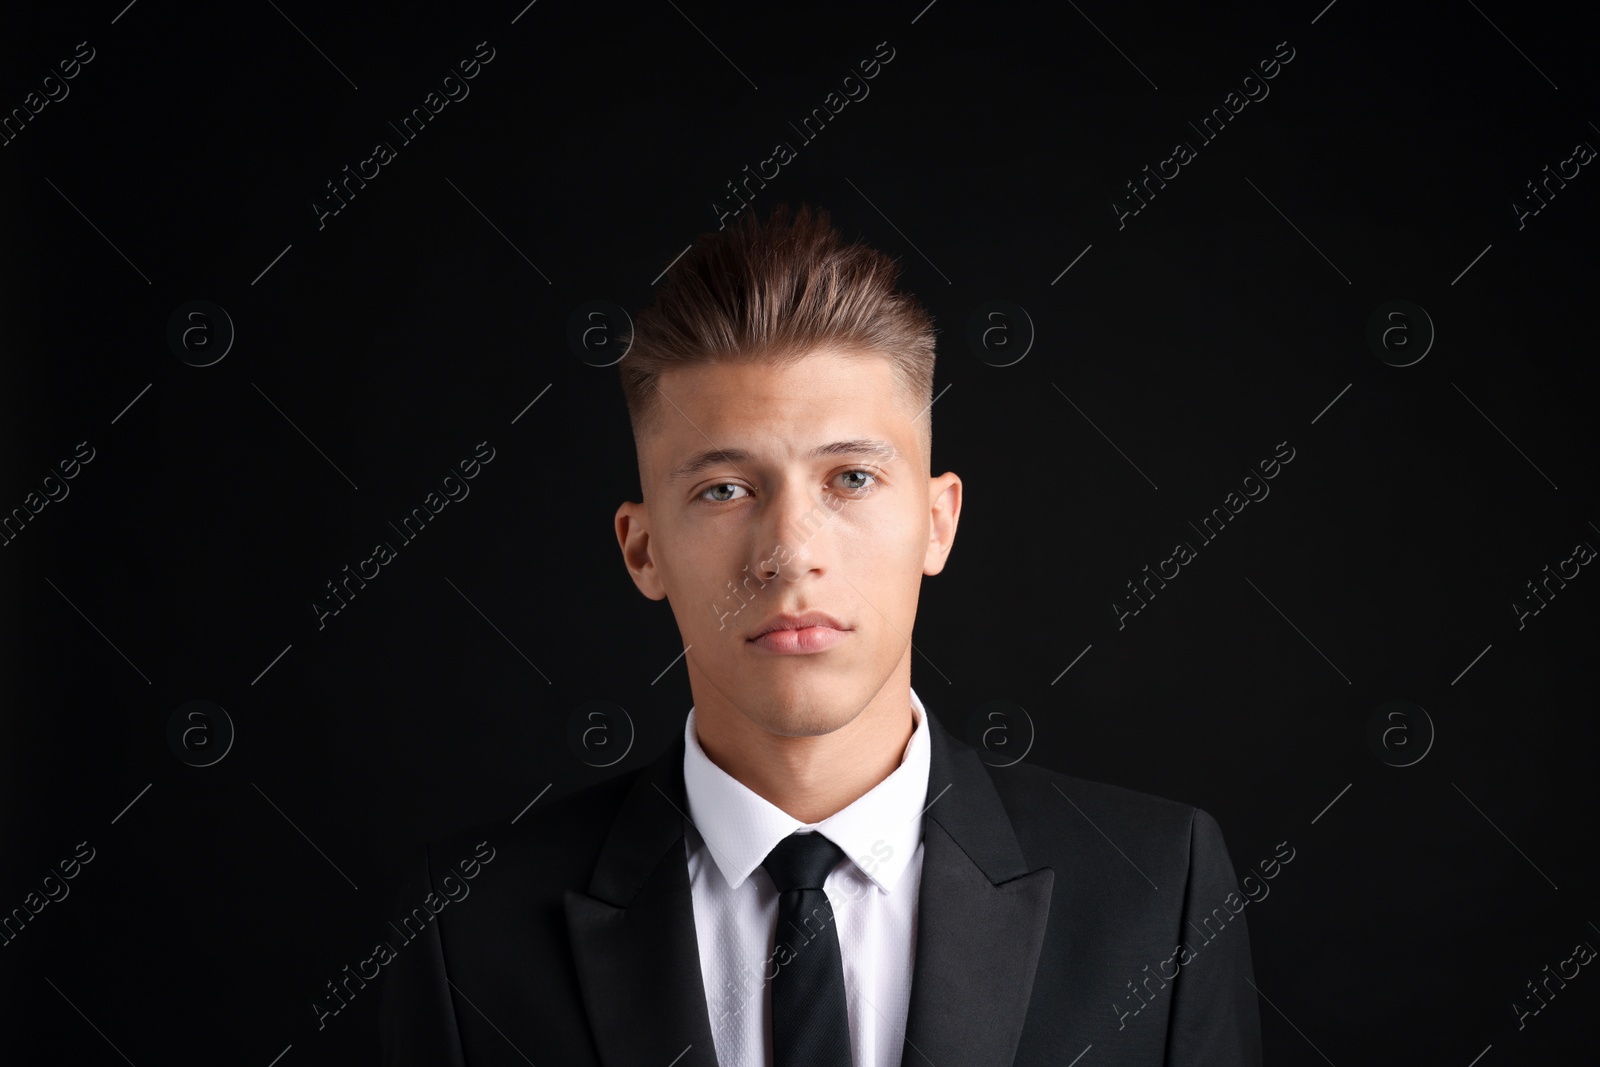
(633, 935)
(981, 918)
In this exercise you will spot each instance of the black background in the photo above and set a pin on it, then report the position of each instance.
(374, 353)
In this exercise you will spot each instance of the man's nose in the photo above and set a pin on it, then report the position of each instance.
(798, 520)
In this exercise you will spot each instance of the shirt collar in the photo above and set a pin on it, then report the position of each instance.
(879, 831)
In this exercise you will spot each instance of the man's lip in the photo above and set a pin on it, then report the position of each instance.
(803, 620)
(804, 641)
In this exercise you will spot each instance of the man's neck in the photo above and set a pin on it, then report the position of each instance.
(814, 777)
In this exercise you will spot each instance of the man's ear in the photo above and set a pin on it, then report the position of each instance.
(944, 512)
(633, 536)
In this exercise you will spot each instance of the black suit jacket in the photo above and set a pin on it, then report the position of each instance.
(1049, 915)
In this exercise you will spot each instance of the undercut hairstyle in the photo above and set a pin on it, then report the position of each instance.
(774, 292)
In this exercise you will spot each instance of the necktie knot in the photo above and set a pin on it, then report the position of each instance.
(802, 861)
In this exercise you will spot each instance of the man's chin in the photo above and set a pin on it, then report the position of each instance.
(801, 707)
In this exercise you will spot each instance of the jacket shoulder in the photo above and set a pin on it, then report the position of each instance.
(1060, 817)
(554, 840)
(1027, 782)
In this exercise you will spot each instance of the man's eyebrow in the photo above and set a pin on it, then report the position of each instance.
(860, 446)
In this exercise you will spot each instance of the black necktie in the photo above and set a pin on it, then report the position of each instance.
(810, 1025)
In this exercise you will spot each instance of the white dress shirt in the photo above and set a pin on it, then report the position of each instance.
(873, 894)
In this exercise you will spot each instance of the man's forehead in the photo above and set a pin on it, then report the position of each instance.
(829, 404)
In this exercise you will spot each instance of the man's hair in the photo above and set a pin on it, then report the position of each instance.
(773, 293)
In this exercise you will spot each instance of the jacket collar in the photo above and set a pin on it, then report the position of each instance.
(981, 911)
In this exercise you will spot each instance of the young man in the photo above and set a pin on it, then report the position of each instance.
(817, 874)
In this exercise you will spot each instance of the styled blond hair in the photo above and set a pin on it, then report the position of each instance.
(775, 292)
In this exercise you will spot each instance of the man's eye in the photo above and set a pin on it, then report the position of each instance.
(723, 492)
(717, 489)
(863, 474)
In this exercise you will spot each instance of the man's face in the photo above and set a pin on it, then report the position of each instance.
(775, 526)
